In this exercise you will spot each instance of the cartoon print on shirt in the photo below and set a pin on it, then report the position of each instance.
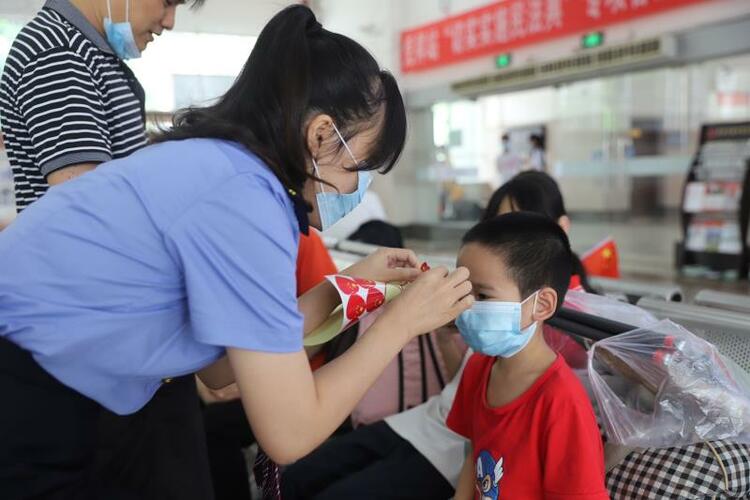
(489, 474)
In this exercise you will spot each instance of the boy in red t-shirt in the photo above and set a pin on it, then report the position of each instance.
(532, 429)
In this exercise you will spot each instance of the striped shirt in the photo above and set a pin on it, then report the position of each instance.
(65, 99)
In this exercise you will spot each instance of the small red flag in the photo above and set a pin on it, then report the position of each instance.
(602, 260)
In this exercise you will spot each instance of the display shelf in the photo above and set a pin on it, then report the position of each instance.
(716, 203)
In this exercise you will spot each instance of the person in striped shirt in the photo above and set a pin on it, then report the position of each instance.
(68, 102)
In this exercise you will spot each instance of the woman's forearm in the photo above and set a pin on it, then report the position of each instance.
(292, 410)
(317, 304)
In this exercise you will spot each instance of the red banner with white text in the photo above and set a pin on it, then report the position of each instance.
(508, 24)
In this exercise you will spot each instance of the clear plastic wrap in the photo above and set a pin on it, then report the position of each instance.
(662, 386)
(609, 308)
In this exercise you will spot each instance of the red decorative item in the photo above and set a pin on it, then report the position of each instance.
(425, 267)
(355, 308)
(506, 25)
(602, 260)
(346, 285)
(375, 299)
(365, 283)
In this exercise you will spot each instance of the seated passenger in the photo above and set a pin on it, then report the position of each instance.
(534, 191)
(532, 429)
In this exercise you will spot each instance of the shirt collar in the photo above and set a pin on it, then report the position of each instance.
(301, 210)
(74, 16)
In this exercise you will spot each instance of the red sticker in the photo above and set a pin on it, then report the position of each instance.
(346, 285)
(355, 308)
(375, 299)
(365, 283)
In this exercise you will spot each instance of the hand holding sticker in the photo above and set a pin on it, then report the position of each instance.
(359, 297)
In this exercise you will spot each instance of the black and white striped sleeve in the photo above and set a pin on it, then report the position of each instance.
(63, 110)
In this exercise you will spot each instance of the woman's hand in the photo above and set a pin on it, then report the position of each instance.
(434, 299)
(386, 265)
(292, 411)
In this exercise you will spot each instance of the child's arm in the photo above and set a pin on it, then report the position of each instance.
(465, 487)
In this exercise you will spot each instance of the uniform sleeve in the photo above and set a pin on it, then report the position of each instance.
(238, 249)
(459, 418)
(314, 262)
(573, 456)
(59, 101)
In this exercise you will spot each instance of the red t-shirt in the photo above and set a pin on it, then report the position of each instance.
(314, 263)
(545, 444)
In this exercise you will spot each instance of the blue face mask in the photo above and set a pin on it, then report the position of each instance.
(494, 328)
(120, 35)
(334, 206)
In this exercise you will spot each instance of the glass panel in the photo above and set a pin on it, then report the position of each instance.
(620, 146)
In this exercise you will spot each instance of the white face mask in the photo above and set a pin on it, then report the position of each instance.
(494, 328)
(120, 35)
(334, 206)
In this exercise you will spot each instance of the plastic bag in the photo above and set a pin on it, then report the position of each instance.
(609, 308)
(662, 386)
(574, 351)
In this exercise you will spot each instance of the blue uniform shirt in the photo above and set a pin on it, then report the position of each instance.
(147, 267)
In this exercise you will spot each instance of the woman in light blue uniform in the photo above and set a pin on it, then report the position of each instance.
(181, 259)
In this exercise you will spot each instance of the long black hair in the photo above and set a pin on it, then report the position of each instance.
(535, 191)
(297, 68)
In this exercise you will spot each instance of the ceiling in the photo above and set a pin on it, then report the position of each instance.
(237, 17)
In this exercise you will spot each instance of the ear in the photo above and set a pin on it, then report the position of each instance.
(319, 128)
(546, 304)
(564, 223)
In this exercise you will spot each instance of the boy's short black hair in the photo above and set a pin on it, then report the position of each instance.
(535, 250)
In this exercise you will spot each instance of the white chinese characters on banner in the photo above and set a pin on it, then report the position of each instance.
(455, 32)
(501, 25)
(517, 20)
(616, 6)
(472, 35)
(506, 23)
(536, 16)
(594, 8)
(554, 14)
(421, 47)
(486, 29)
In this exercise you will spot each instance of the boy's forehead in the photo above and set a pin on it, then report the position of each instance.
(485, 266)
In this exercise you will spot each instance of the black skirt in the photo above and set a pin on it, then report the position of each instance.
(58, 444)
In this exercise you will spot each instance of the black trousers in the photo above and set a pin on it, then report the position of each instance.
(58, 444)
(371, 462)
(227, 433)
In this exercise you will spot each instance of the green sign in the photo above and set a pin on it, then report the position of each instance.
(591, 40)
(503, 60)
